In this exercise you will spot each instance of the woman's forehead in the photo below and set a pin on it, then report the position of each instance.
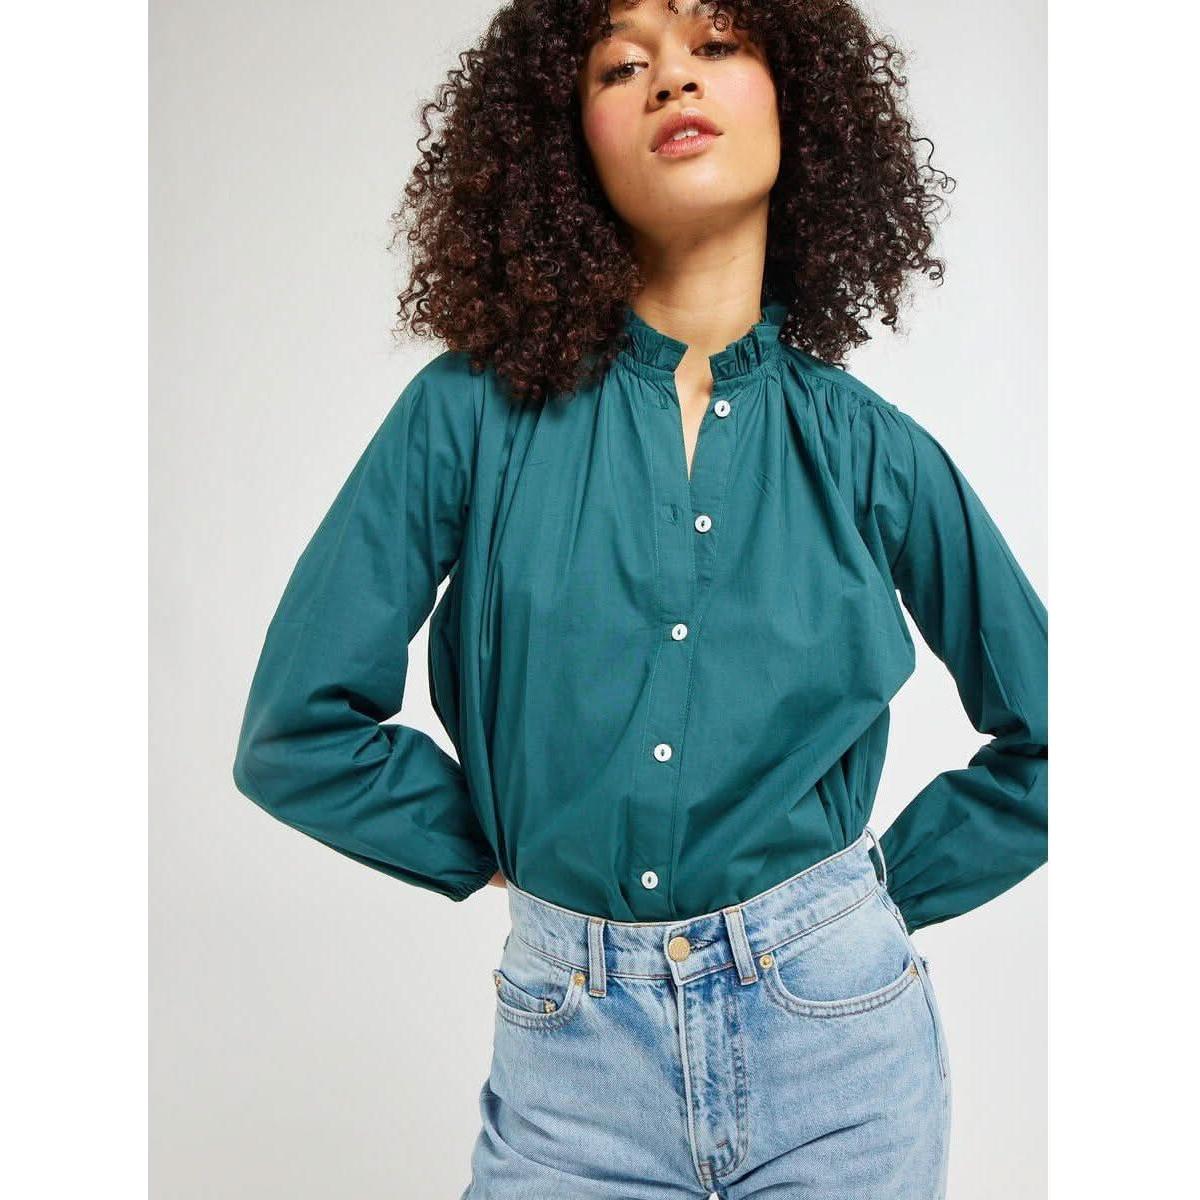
(622, 15)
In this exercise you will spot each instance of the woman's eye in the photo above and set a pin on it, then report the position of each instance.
(724, 47)
(622, 71)
(613, 74)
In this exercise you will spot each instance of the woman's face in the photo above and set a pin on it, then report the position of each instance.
(658, 65)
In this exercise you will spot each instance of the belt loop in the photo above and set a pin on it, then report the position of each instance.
(743, 956)
(879, 851)
(597, 977)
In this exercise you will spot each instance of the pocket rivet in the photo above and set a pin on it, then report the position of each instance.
(913, 968)
(548, 1005)
(766, 960)
(579, 977)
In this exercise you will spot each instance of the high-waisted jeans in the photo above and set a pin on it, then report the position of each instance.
(787, 1046)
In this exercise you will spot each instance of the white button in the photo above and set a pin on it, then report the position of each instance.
(721, 408)
(649, 879)
(703, 522)
(679, 632)
(662, 751)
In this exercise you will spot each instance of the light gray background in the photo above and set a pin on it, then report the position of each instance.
(318, 1029)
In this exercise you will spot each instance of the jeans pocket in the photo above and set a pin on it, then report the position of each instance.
(853, 963)
(535, 991)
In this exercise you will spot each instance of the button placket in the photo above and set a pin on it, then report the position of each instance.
(687, 516)
(708, 489)
(687, 555)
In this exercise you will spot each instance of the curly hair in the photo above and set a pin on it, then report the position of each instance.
(519, 261)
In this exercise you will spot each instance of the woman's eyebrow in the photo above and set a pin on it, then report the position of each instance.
(695, 9)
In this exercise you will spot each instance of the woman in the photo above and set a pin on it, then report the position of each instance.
(678, 536)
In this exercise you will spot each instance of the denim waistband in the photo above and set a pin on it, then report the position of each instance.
(686, 949)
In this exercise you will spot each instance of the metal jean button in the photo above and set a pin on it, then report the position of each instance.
(678, 948)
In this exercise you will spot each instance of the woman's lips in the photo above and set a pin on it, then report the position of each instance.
(686, 146)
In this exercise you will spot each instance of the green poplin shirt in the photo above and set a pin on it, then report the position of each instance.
(666, 694)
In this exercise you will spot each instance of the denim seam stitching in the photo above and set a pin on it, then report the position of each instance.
(808, 929)
(939, 1040)
(690, 1087)
(551, 1020)
(926, 991)
(516, 987)
(553, 958)
(841, 1008)
(740, 1087)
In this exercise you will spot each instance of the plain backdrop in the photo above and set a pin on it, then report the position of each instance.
(319, 1029)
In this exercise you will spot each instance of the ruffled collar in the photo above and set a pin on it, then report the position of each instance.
(657, 353)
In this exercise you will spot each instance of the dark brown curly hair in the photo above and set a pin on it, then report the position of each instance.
(519, 260)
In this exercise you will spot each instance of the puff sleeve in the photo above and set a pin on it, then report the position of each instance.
(976, 830)
(315, 749)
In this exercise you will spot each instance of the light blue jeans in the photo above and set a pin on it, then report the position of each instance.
(788, 1046)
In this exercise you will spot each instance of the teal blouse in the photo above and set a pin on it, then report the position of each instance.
(665, 694)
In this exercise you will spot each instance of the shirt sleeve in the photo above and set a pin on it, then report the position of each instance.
(974, 831)
(315, 748)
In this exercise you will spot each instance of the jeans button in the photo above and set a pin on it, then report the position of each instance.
(678, 948)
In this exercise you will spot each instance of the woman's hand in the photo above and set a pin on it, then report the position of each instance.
(498, 880)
